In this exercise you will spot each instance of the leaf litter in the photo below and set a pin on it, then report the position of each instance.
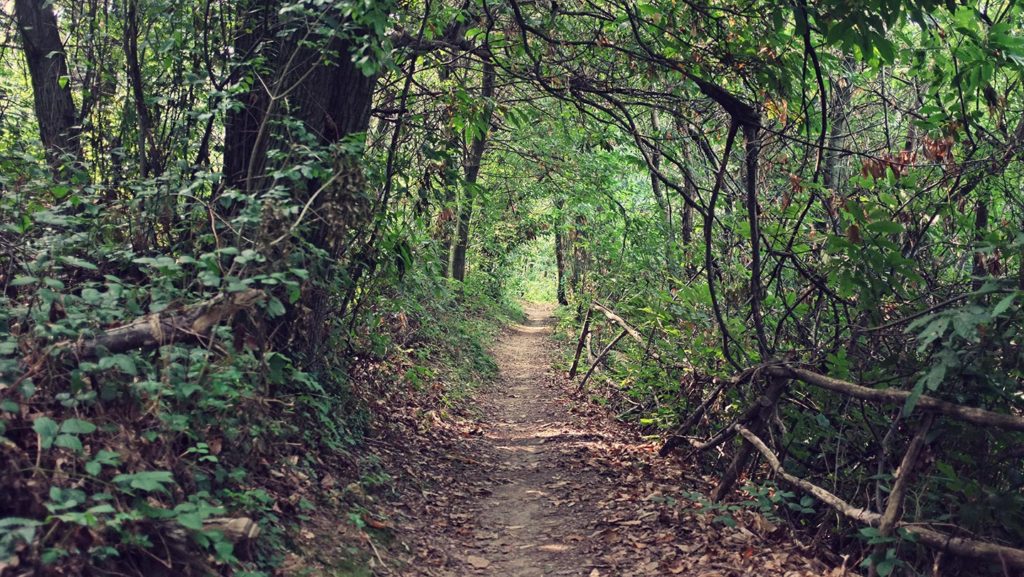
(531, 481)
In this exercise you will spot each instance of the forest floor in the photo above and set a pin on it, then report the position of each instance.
(534, 481)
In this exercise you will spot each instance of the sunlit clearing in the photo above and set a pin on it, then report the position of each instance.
(535, 273)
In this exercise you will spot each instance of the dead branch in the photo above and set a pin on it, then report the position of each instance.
(677, 437)
(969, 414)
(597, 361)
(610, 315)
(957, 545)
(579, 344)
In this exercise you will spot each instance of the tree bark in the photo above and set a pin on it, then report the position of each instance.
(584, 331)
(560, 255)
(316, 82)
(560, 266)
(759, 422)
(995, 553)
(148, 163)
(973, 415)
(51, 86)
(189, 324)
(472, 171)
(833, 178)
(664, 205)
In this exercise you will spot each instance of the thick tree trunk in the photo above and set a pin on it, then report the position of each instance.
(332, 98)
(450, 176)
(472, 170)
(461, 241)
(243, 123)
(51, 87)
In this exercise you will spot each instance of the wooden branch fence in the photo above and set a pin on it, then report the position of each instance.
(751, 423)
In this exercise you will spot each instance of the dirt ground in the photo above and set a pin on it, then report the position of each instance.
(539, 482)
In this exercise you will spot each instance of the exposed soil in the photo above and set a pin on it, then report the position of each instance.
(539, 483)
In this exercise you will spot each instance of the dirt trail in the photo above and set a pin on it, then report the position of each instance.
(535, 532)
(543, 485)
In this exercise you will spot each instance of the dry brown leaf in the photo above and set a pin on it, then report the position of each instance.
(478, 562)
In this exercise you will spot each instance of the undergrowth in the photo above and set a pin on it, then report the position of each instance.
(195, 460)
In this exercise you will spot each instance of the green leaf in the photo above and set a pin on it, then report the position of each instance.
(885, 49)
(225, 550)
(724, 520)
(915, 395)
(124, 363)
(77, 262)
(1003, 305)
(47, 430)
(885, 227)
(69, 442)
(103, 457)
(275, 308)
(149, 481)
(885, 567)
(77, 427)
(934, 377)
(192, 521)
(869, 532)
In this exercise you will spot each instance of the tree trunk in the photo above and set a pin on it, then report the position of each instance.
(472, 170)
(978, 268)
(665, 206)
(759, 421)
(148, 162)
(832, 175)
(579, 260)
(461, 244)
(560, 265)
(332, 98)
(51, 86)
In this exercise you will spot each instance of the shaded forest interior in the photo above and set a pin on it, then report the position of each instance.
(239, 239)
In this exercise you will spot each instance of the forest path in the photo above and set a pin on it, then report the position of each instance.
(531, 525)
(540, 484)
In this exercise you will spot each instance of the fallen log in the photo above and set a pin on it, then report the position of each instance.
(235, 529)
(187, 324)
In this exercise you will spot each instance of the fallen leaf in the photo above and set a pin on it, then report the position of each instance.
(478, 562)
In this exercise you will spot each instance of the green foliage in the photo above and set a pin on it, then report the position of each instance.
(534, 273)
(330, 158)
